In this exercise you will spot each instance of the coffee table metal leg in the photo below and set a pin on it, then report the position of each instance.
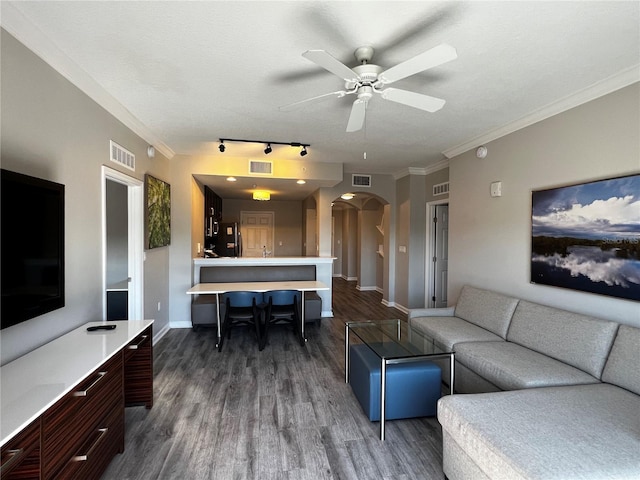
(218, 317)
(303, 339)
(451, 377)
(346, 353)
(383, 395)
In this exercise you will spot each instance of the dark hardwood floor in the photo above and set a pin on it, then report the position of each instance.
(282, 413)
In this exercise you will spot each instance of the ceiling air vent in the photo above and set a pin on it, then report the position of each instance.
(360, 180)
(122, 156)
(441, 189)
(258, 167)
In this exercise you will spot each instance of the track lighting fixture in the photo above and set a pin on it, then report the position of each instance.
(267, 150)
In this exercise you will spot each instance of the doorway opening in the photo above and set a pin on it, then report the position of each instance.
(437, 258)
(122, 246)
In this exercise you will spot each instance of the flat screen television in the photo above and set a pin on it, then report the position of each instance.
(32, 244)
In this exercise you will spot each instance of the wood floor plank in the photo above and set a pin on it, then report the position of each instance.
(282, 413)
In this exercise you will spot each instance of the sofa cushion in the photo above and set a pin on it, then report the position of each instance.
(588, 432)
(578, 340)
(622, 367)
(489, 310)
(451, 330)
(510, 366)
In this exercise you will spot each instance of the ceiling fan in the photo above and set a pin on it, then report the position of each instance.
(368, 79)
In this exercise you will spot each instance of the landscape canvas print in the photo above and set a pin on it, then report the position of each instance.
(158, 212)
(587, 237)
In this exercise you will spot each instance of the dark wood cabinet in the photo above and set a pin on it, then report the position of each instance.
(212, 215)
(79, 425)
(20, 457)
(138, 371)
(77, 436)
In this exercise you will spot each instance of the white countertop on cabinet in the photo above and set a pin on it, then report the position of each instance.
(34, 382)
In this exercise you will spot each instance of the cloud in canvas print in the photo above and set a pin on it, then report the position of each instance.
(587, 237)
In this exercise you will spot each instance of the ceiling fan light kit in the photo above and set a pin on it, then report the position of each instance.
(367, 79)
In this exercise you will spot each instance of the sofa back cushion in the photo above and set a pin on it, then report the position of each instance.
(484, 308)
(578, 340)
(621, 368)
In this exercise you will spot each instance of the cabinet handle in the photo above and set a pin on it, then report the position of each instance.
(137, 345)
(85, 457)
(84, 393)
(14, 457)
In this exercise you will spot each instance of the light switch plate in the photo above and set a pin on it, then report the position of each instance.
(496, 189)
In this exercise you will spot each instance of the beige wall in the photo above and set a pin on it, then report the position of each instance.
(490, 238)
(50, 129)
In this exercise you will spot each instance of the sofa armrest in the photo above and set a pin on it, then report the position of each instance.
(431, 312)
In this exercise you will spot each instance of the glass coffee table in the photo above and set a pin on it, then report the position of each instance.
(383, 337)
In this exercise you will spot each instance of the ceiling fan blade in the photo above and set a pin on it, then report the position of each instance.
(413, 99)
(356, 118)
(312, 100)
(443, 53)
(332, 64)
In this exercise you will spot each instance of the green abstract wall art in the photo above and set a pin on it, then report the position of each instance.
(158, 212)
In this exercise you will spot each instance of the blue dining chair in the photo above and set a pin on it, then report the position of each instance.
(242, 308)
(281, 307)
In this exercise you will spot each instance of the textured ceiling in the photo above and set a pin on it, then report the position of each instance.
(192, 72)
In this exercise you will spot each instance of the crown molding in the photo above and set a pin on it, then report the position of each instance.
(15, 23)
(422, 170)
(615, 82)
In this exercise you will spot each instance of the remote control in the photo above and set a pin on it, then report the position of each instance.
(100, 327)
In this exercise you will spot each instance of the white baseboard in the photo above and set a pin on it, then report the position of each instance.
(366, 289)
(349, 279)
(183, 324)
(160, 334)
(326, 313)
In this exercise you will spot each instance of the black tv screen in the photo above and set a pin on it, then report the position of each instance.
(32, 244)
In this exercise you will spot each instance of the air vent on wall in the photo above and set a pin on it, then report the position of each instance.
(441, 189)
(122, 156)
(360, 180)
(260, 168)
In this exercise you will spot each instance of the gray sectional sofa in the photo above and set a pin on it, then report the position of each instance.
(554, 394)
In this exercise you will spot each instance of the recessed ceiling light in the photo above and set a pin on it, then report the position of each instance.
(231, 179)
(301, 182)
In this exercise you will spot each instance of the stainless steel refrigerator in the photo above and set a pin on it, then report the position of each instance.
(228, 242)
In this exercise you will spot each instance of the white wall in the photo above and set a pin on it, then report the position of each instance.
(52, 130)
(490, 238)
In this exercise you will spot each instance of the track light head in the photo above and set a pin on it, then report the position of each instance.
(268, 150)
(221, 147)
(303, 152)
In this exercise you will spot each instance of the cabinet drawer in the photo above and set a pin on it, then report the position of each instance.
(91, 458)
(138, 371)
(67, 425)
(20, 457)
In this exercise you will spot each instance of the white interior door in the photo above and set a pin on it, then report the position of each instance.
(437, 264)
(441, 261)
(132, 252)
(256, 230)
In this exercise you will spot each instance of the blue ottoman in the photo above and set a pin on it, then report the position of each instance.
(413, 389)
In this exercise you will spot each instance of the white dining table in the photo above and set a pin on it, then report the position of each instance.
(259, 287)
